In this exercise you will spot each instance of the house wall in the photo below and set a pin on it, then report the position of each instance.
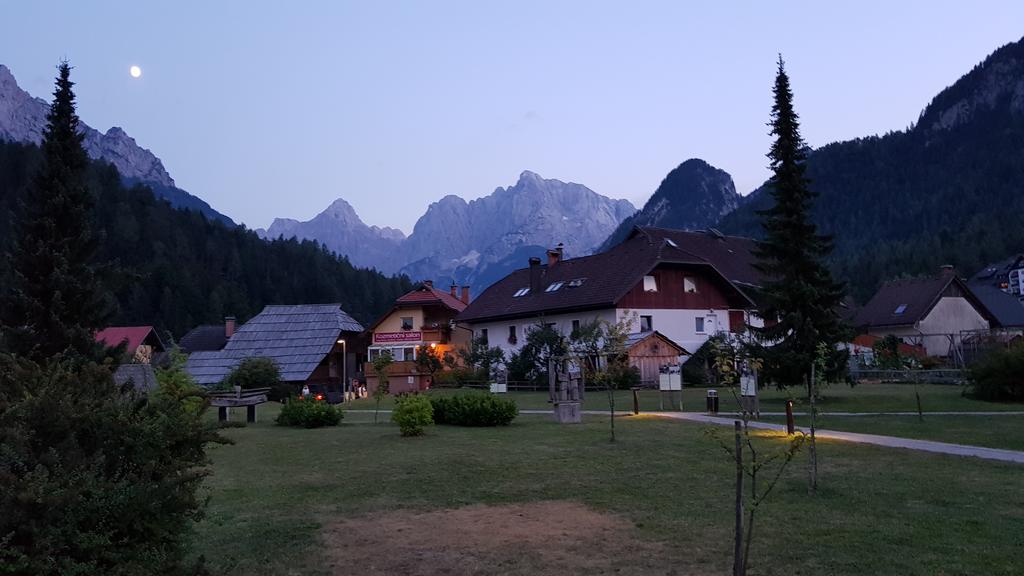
(951, 315)
(671, 294)
(393, 323)
(680, 326)
(497, 332)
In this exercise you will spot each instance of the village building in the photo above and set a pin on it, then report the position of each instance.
(685, 286)
(649, 351)
(1000, 287)
(208, 337)
(314, 344)
(936, 312)
(424, 316)
(142, 343)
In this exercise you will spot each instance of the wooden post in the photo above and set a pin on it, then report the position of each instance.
(636, 401)
(737, 551)
(551, 379)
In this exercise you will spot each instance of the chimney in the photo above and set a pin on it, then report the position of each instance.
(229, 326)
(429, 284)
(555, 255)
(946, 269)
(454, 288)
(465, 294)
(534, 275)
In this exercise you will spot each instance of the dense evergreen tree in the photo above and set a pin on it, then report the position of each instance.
(799, 299)
(55, 302)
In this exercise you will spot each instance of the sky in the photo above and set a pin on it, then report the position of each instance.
(275, 109)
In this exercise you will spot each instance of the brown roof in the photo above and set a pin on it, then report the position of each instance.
(603, 279)
(905, 302)
(429, 295)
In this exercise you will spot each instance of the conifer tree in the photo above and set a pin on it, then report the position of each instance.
(799, 298)
(55, 302)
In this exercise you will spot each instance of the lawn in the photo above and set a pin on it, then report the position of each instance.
(540, 498)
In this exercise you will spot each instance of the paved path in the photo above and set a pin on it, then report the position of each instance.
(887, 441)
(844, 414)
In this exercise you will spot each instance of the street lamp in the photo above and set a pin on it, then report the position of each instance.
(344, 373)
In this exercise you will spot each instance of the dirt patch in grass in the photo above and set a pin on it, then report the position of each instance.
(543, 538)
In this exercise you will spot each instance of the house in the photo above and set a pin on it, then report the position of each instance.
(649, 351)
(309, 343)
(423, 317)
(208, 337)
(1000, 287)
(687, 286)
(935, 312)
(142, 343)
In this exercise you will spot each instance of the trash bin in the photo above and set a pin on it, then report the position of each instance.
(712, 401)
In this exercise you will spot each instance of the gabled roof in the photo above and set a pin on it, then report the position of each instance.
(205, 338)
(603, 279)
(986, 285)
(131, 336)
(905, 302)
(297, 338)
(638, 337)
(424, 295)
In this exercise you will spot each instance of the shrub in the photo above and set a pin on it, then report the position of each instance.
(258, 373)
(1000, 376)
(97, 479)
(474, 409)
(308, 413)
(412, 413)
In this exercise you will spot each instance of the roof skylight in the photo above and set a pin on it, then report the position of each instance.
(554, 286)
(900, 309)
(576, 282)
(521, 292)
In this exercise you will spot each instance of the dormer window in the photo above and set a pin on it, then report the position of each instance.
(554, 286)
(521, 292)
(576, 283)
(900, 309)
(689, 284)
(671, 243)
(650, 284)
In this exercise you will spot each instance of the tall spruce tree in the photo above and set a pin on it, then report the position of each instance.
(55, 302)
(799, 298)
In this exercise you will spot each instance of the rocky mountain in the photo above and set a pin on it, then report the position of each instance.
(471, 242)
(342, 231)
(945, 191)
(693, 196)
(23, 118)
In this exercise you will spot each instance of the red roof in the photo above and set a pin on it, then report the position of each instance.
(115, 335)
(425, 295)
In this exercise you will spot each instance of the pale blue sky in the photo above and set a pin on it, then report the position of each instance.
(276, 109)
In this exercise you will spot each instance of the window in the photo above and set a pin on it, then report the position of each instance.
(512, 335)
(554, 286)
(406, 322)
(689, 284)
(900, 309)
(483, 336)
(671, 243)
(521, 292)
(575, 325)
(646, 324)
(700, 324)
(650, 284)
(576, 283)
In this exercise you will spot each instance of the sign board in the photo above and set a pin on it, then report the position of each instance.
(670, 381)
(748, 384)
(391, 337)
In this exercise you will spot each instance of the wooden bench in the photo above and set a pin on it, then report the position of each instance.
(249, 398)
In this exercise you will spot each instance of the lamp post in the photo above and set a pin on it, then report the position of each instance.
(344, 373)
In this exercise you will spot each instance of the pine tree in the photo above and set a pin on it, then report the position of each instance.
(55, 302)
(799, 298)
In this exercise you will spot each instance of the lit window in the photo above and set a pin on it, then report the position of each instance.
(700, 324)
(900, 309)
(406, 322)
(650, 284)
(554, 286)
(576, 283)
(689, 284)
(521, 292)
(646, 323)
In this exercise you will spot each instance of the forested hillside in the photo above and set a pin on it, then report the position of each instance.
(176, 269)
(950, 190)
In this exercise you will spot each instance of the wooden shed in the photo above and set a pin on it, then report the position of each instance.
(649, 351)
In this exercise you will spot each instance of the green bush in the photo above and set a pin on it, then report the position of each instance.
(474, 409)
(258, 372)
(308, 413)
(1000, 376)
(413, 413)
(95, 478)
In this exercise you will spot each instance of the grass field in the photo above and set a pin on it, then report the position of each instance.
(540, 498)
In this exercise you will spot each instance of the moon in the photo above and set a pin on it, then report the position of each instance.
(135, 71)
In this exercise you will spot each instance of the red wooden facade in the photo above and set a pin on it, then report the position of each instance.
(711, 292)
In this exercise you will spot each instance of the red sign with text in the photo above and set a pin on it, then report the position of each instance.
(390, 337)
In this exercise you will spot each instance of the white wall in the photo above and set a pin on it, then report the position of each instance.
(497, 332)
